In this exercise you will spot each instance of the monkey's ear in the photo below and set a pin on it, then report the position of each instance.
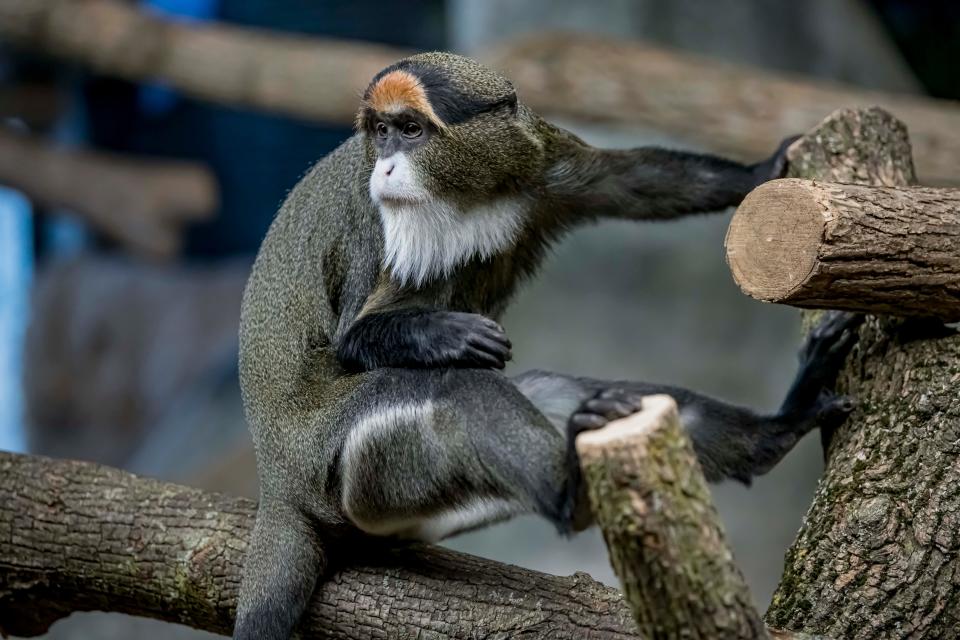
(363, 120)
(511, 102)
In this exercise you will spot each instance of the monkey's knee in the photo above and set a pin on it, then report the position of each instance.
(412, 470)
(382, 454)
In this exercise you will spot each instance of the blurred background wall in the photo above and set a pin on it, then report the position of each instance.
(131, 361)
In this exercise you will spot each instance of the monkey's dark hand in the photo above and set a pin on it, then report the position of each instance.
(424, 338)
(595, 412)
(467, 340)
(775, 166)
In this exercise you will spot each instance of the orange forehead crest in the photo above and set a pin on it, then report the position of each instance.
(398, 90)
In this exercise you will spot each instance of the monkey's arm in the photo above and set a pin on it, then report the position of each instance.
(418, 338)
(653, 183)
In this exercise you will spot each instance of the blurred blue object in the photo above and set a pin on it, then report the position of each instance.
(156, 99)
(16, 263)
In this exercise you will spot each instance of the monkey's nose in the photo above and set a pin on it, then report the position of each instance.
(389, 169)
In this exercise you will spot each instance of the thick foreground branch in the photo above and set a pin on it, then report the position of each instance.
(666, 544)
(76, 536)
(731, 109)
(878, 555)
(140, 203)
(825, 245)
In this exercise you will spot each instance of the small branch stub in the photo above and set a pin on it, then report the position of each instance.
(666, 544)
(843, 246)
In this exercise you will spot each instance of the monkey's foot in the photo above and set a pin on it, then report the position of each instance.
(829, 343)
(605, 406)
(821, 359)
(833, 409)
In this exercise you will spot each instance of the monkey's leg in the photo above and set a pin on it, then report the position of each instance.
(730, 441)
(279, 575)
(429, 453)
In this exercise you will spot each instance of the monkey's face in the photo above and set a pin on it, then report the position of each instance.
(433, 139)
(397, 137)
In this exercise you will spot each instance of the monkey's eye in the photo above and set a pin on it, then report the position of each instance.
(412, 130)
(381, 130)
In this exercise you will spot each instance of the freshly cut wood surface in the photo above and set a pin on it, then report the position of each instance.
(892, 250)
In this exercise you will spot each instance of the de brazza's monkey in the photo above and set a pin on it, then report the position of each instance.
(369, 336)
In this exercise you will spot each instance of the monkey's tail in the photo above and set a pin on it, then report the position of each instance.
(284, 560)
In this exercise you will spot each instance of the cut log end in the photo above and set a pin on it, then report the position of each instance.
(827, 245)
(773, 240)
(656, 411)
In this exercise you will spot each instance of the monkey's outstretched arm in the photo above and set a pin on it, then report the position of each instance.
(653, 183)
(420, 338)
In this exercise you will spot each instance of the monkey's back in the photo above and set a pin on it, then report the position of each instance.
(317, 263)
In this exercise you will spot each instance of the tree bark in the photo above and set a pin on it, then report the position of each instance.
(140, 203)
(878, 554)
(75, 536)
(735, 110)
(663, 533)
(842, 246)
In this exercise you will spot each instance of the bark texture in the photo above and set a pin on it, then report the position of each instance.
(878, 555)
(730, 109)
(76, 536)
(143, 204)
(663, 533)
(843, 246)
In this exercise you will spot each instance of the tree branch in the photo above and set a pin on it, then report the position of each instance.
(878, 554)
(663, 533)
(140, 203)
(843, 246)
(76, 536)
(299, 76)
(730, 109)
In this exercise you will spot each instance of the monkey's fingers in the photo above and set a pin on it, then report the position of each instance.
(499, 337)
(492, 348)
(586, 421)
(476, 359)
(610, 409)
(631, 398)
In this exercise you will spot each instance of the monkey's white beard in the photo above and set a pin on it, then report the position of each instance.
(430, 240)
(426, 238)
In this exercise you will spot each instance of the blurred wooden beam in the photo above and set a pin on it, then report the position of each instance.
(724, 107)
(37, 105)
(143, 204)
(735, 110)
(299, 76)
